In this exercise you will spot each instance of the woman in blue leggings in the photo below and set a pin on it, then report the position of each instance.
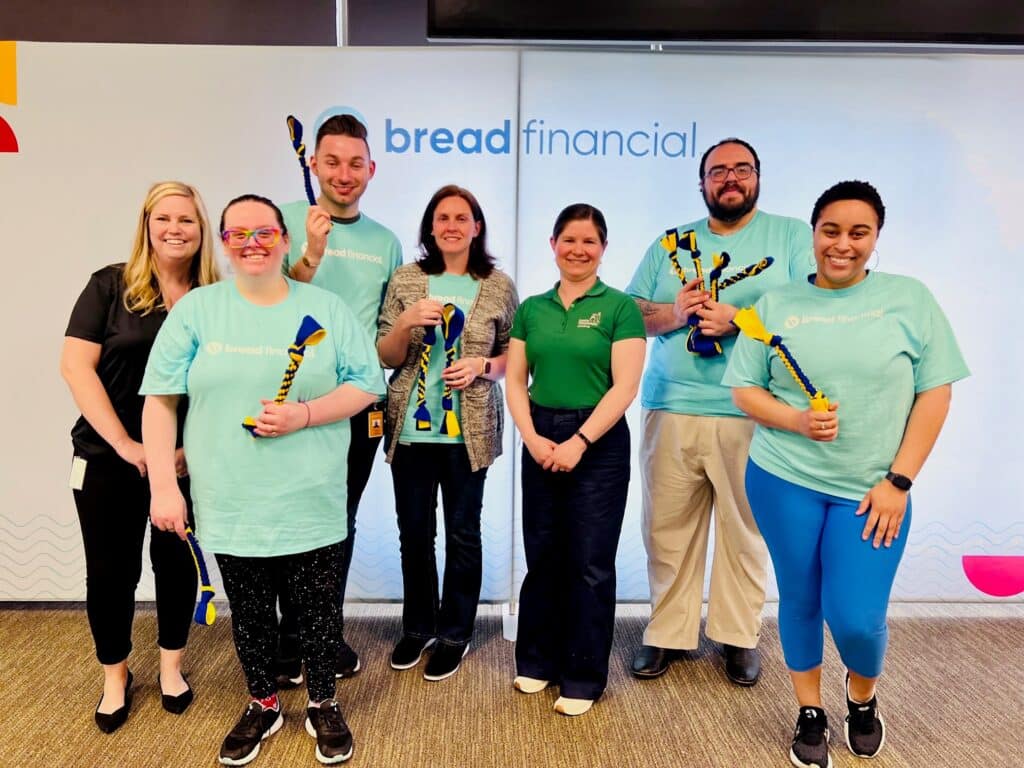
(829, 486)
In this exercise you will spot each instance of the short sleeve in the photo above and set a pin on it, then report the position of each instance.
(358, 363)
(748, 362)
(940, 360)
(91, 312)
(645, 279)
(519, 322)
(629, 323)
(801, 251)
(173, 351)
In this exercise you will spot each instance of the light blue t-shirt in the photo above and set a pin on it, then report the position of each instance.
(260, 497)
(460, 290)
(677, 380)
(358, 262)
(872, 348)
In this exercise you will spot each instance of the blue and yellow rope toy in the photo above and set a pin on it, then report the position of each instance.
(750, 325)
(310, 334)
(206, 611)
(696, 342)
(453, 320)
(295, 133)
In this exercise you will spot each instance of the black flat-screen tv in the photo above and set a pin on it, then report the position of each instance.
(936, 22)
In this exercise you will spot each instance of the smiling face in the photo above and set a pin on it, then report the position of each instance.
(578, 250)
(251, 259)
(454, 228)
(730, 199)
(175, 231)
(844, 239)
(343, 166)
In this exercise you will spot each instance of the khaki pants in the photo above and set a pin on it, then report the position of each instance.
(691, 464)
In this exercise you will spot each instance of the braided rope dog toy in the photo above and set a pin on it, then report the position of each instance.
(310, 334)
(295, 134)
(696, 342)
(750, 325)
(206, 612)
(453, 320)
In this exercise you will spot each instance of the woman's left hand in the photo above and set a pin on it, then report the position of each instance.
(885, 505)
(461, 373)
(280, 419)
(566, 455)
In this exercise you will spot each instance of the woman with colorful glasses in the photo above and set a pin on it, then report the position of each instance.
(268, 473)
(574, 366)
(444, 329)
(848, 402)
(107, 342)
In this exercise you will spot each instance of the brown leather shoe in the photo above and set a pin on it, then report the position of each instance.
(742, 665)
(651, 661)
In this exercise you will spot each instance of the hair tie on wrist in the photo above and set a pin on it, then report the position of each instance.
(584, 438)
(309, 415)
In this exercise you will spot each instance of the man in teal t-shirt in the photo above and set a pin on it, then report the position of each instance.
(338, 248)
(694, 451)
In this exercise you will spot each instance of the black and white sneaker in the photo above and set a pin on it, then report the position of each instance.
(409, 651)
(865, 728)
(444, 661)
(242, 744)
(289, 673)
(810, 740)
(346, 663)
(333, 738)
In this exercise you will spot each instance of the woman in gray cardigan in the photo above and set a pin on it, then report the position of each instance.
(444, 329)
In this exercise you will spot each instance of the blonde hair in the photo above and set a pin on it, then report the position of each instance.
(142, 288)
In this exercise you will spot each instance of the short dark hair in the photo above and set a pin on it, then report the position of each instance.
(342, 125)
(850, 190)
(431, 260)
(730, 140)
(256, 199)
(581, 212)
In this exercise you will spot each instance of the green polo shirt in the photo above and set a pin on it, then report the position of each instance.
(569, 351)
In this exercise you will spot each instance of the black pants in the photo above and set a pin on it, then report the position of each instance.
(418, 470)
(571, 526)
(113, 511)
(362, 450)
(312, 581)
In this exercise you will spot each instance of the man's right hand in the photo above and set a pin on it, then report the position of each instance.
(689, 299)
(318, 226)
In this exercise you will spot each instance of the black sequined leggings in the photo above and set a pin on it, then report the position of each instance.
(313, 583)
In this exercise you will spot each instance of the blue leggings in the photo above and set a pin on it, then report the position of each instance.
(825, 572)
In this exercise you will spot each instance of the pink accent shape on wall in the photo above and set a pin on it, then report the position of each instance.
(996, 575)
(8, 141)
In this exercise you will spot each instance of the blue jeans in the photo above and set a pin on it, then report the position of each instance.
(825, 573)
(418, 470)
(571, 526)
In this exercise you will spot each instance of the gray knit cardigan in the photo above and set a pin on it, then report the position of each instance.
(486, 334)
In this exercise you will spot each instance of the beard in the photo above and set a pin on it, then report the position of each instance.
(733, 211)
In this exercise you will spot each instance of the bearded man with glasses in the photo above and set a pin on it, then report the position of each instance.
(693, 455)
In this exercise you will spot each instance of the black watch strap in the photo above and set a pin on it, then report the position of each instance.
(900, 481)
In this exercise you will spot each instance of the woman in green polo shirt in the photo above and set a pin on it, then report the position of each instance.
(574, 365)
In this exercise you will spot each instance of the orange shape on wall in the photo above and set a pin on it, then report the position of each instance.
(8, 72)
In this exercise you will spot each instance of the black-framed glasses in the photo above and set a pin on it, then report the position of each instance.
(266, 237)
(741, 171)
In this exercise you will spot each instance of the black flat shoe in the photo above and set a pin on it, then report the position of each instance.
(651, 661)
(176, 704)
(110, 722)
(742, 665)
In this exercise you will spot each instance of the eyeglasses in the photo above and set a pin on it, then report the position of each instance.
(267, 237)
(720, 172)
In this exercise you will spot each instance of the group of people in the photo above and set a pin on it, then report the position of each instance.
(187, 422)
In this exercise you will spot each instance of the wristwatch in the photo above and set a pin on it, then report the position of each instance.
(900, 481)
(309, 264)
(486, 367)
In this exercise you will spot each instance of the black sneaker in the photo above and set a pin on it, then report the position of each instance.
(327, 726)
(409, 651)
(444, 661)
(289, 673)
(242, 744)
(346, 663)
(865, 729)
(810, 740)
